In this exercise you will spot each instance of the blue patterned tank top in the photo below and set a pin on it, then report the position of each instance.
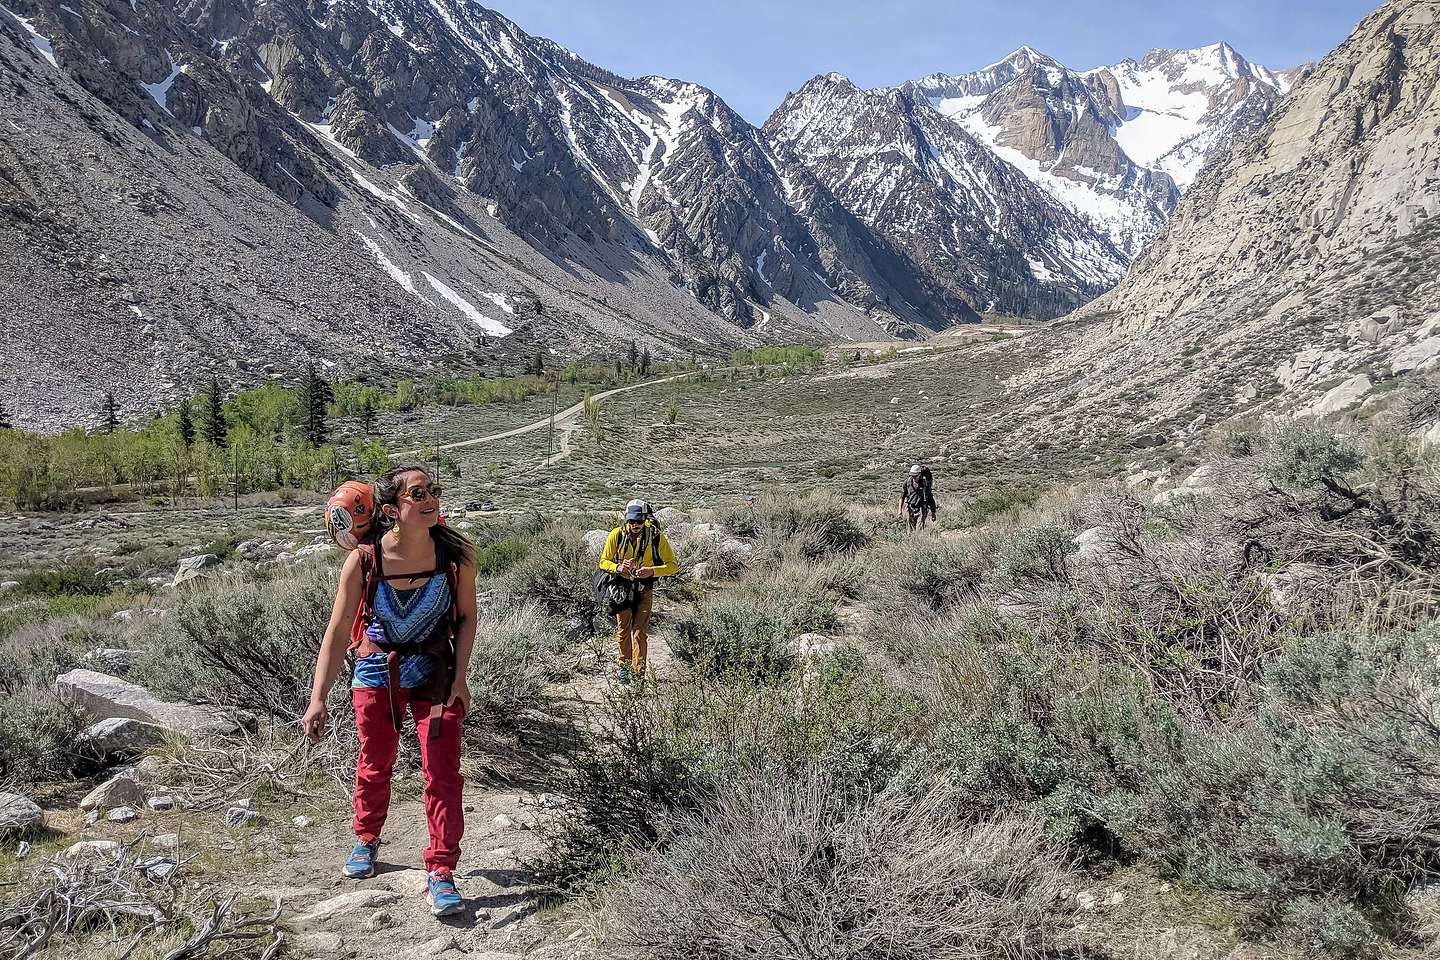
(407, 616)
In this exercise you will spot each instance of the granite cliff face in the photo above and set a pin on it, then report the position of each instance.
(1296, 276)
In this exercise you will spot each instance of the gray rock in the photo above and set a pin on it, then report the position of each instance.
(326, 910)
(240, 816)
(119, 737)
(161, 803)
(121, 790)
(157, 868)
(191, 567)
(320, 944)
(94, 848)
(106, 697)
(121, 815)
(23, 850)
(378, 921)
(595, 541)
(302, 822)
(169, 841)
(19, 814)
(503, 822)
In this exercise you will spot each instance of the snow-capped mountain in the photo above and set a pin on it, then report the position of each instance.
(1114, 144)
(976, 227)
(253, 184)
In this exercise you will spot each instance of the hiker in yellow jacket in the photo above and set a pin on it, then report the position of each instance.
(639, 551)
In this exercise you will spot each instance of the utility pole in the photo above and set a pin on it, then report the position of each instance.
(437, 443)
(554, 400)
(235, 476)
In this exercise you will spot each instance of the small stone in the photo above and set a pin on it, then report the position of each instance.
(168, 840)
(1115, 898)
(119, 791)
(470, 808)
(121, 815)
(119, 737)
(93, 848)
(157, 868)
(161, 803)
(92, 818)
(239, 816)
(22, 851)
(378, 921)
(1086, 900)
(302, 822)
(503, 822)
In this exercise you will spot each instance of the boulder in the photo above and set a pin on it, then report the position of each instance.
(713, 531)
(595, 541)
(670, 517)
(121, 790)
(316, 548)
(121, 815)
(19, 814)
(119, 737)
(191, 567)
(106, 697)
(1342, 397)
(700, 572)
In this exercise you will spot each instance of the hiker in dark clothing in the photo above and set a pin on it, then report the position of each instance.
(917, 498)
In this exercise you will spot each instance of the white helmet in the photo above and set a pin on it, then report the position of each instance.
(916, 470)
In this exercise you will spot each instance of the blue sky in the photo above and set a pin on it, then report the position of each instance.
(753, 52)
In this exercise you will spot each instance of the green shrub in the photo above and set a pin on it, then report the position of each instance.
(1302, 456)
(512, 662)
(243, 642)
(1035, 555)
(747, 630)
(794, 868)
(814, 526)
(917, 575)
(665, 750)
(76, 580)
(498, 556)
(555, 572)
(990, 505)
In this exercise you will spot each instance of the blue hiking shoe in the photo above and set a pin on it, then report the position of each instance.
(362, 860)
(441, 894)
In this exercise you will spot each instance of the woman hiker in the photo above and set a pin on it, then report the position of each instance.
(639, 551)
(406, 608)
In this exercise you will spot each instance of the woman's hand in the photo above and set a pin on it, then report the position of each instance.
(459, 693)
(313, 722)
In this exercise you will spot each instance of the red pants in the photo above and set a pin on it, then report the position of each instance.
(439, 758)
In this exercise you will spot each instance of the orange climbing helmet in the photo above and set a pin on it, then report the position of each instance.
(350, 513)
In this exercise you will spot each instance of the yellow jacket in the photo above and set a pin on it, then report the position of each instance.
(620, 546)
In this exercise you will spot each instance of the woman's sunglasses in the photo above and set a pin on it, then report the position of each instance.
(421, 494)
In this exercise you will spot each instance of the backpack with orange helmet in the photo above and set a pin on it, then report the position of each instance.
(350, 514)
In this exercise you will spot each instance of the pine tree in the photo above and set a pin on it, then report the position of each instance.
(633, 356)
(110, 413)
(645, 362)
(187, 424)
(539, 368)
(315, 395)
(213, 426)
(367, 415)
(4, 418)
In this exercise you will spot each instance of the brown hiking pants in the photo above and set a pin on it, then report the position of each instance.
(632, 628)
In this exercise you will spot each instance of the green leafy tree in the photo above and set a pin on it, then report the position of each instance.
(214, 425)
